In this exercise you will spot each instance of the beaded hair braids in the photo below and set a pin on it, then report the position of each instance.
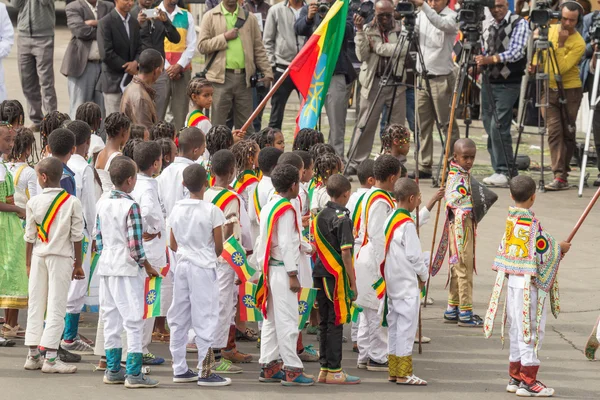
(325, 164)
(306, 138)
(162, 129)
(219, 137)
(90, 112)
(12, 111)
(243, 150)
(319, 149)
(196, 85)
(392, 133)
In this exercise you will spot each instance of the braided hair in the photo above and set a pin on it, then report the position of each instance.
(53, 120)
(91, 113)
(392, 133)
(115, 123)
(266, 137)
(219, 137)
(306, 138)
(196, 85)
(319, 149)
(24, 140)
(130, 146)
(162, 129)
(166, 146)
(12, 111)
(244, 150)
(325, 164)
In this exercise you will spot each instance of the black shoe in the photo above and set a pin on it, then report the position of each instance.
(350, 171)
(68, 357)
(422, 175)
(597, 181)
(375, 366)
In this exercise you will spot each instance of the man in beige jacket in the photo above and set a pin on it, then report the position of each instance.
(232, 36)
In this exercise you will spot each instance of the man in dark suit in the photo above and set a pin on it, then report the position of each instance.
(120, 46)
(82, 64)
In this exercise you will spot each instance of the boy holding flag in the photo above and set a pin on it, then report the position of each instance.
(334, 279)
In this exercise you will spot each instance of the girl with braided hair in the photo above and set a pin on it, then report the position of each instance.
(219, 137)
(91, 114)
(24, 176)
(117, 127)
(395, 141)
(12, 112)
(200, 91)
(325, 165)
(53, 120)
(162, 129)
(270, 137)
(169, 152)
(306, 138)
(246, 160)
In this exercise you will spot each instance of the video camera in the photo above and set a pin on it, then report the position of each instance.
(404, 8)
(594, 32)
(365, 10)
(543, 14)
(323, 8)
(472, 12)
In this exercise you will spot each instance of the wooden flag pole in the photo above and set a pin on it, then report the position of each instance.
(417, 149)
(584, 215)
(442, 183)
(264, 101)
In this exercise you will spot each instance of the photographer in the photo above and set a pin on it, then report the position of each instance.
(336, 103)
(437, 28)
(569, 47)
(375, 45)
(587, 77)
(231, 37)
(505, 57)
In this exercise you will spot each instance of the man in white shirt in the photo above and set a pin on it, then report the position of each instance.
(437, 28)
(178, 64)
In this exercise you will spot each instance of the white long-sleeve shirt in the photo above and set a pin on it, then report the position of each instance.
(7, 39)
(190, 39)
(85, 186)
(285, 241)
(145, 194)
(437, 33)
(170, 184)
(27, 185)
(404, 263)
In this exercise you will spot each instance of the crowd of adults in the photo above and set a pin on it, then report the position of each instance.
(136, 57)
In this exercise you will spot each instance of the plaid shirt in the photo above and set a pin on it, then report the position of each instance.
(134, 230)
(517, 46)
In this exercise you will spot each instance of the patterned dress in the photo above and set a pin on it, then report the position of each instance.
(13, 273)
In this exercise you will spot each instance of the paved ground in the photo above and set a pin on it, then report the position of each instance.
(459, 363)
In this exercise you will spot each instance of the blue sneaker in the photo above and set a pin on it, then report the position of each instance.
(151, 359)
(276, 378)
(214, 380)
(189, 376)
(114, 378)
(451, 316)
(309, 354)
(140, 381)
(297, 378)
(467, 319)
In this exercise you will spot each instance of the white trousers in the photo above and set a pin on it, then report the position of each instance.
(403, 320)
(279, 334)
(49, 281)
(354, 330)
(78, 287)
(196, 305)
(227, 304)
(519, 350)
(372, 337)
(99, 347)
(122, 303)
(166, 293)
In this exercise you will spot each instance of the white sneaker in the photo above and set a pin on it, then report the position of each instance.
(77, 346)
(496, 180)
(58, 367)
(34, 363)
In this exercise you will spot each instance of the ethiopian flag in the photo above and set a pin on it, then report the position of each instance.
(355, 311)
(379, 287)
(248, 309)
(235, 255)
(306, 300)
(152, 297)
(313, 67)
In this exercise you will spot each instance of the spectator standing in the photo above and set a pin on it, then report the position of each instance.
(155, 33)
(210, 4)
(437, 28)
(282, 45)
(81, 63)
(336, 102)
(375, 45)
(505, 55)
(35, 46)
(178, 63)
(120, 46)
(138, 99)
(7, 38)
(232, 38)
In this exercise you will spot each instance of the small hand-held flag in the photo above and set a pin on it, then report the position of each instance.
(152, 297)
(235, 255)
(354, 312)
(379, 287)
(306, 300)
(248, 310)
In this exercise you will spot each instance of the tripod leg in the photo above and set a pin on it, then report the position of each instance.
(588, 133)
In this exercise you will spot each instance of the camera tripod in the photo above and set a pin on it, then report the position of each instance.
(544, 53)
(593, 104)
(408, 39)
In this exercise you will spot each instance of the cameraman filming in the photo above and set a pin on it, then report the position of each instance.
(505, 55)
(375, 45)
(437, 28)
(569, 47)
(336, 103)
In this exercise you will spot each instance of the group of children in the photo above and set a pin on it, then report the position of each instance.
(165, 208)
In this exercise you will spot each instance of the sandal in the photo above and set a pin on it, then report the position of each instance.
(12, 332)
(158, 337)
(411, 381)
(248, 335)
